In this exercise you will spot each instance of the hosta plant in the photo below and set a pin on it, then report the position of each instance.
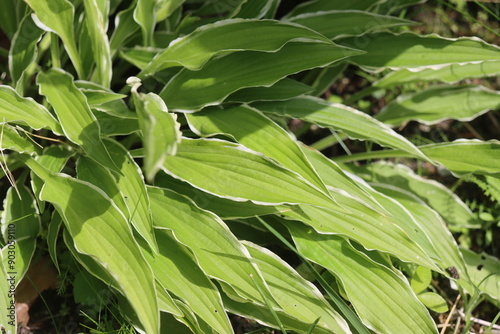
(147, 144)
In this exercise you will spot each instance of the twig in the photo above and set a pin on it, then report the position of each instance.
(479, 321)
(457, 325)
(445, 325)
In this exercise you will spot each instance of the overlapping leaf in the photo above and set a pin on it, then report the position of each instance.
(192, 90)
(18, 109)
(24, 48)
(371, 229)
(11, 139)
(257, 132)
(327, 5)
(354, 123)
(466, 156)
(77, 121)
(379, 295)
(336, 24)
(435, 104)
(133, 189)
(96, 22)
(434, 228)
(410, 50)
(194, 50)
(257, 9)
(336, 178)
(282, 90)
(58, 16)
(172, 266)
(437, 196)
(53, 158)
(103, 234)
(222, 207)
(484, 271)
(299, 298)
(160, 130)
(233, 171)
(449, 74)
(20, 227)
(125, 26)
(144, 15)
(216, 249)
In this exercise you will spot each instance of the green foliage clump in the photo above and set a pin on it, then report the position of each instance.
(148, 150)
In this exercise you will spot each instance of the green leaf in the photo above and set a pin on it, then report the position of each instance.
(20, 227)
(17, 109)
(252, 129)
(369, 228)
(435, 104)
(327, 5)
(23, 50)
(167, 8)
(352, 122)
(139, 56)
(172, 266)
(257, 9)
(233, 171)
(103, 234)
(88, 262)
(10, 139)
(434, 194)
(449, 74)
(53, 158)
(58, 16)
(262, 315)
(222, 207)
(96, 94)
(282, 90)
(190, 320)
(429, 222)
(117, 108)
(160, 130)
(379, 295)
(433, 301)
(466, 156)
(165, 302)
(299, 298)
(133, 189)
(8, 318)
(144, 15)
(420, 280)
(194, 50)
(78, 122)
(484, 271)
(113, 126)
(97, 27)
(341, 23)
(90, 171)
(53, 237)
(218, 252)
(125, 26)
(85, 49)
(409, 50)
(402, 217)
(11, 15)
(336, 178)
(193, 90)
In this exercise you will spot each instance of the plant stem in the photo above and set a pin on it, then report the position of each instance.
(55, 51)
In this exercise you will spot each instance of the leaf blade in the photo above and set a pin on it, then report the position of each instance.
(78, 123)
(193, 90)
